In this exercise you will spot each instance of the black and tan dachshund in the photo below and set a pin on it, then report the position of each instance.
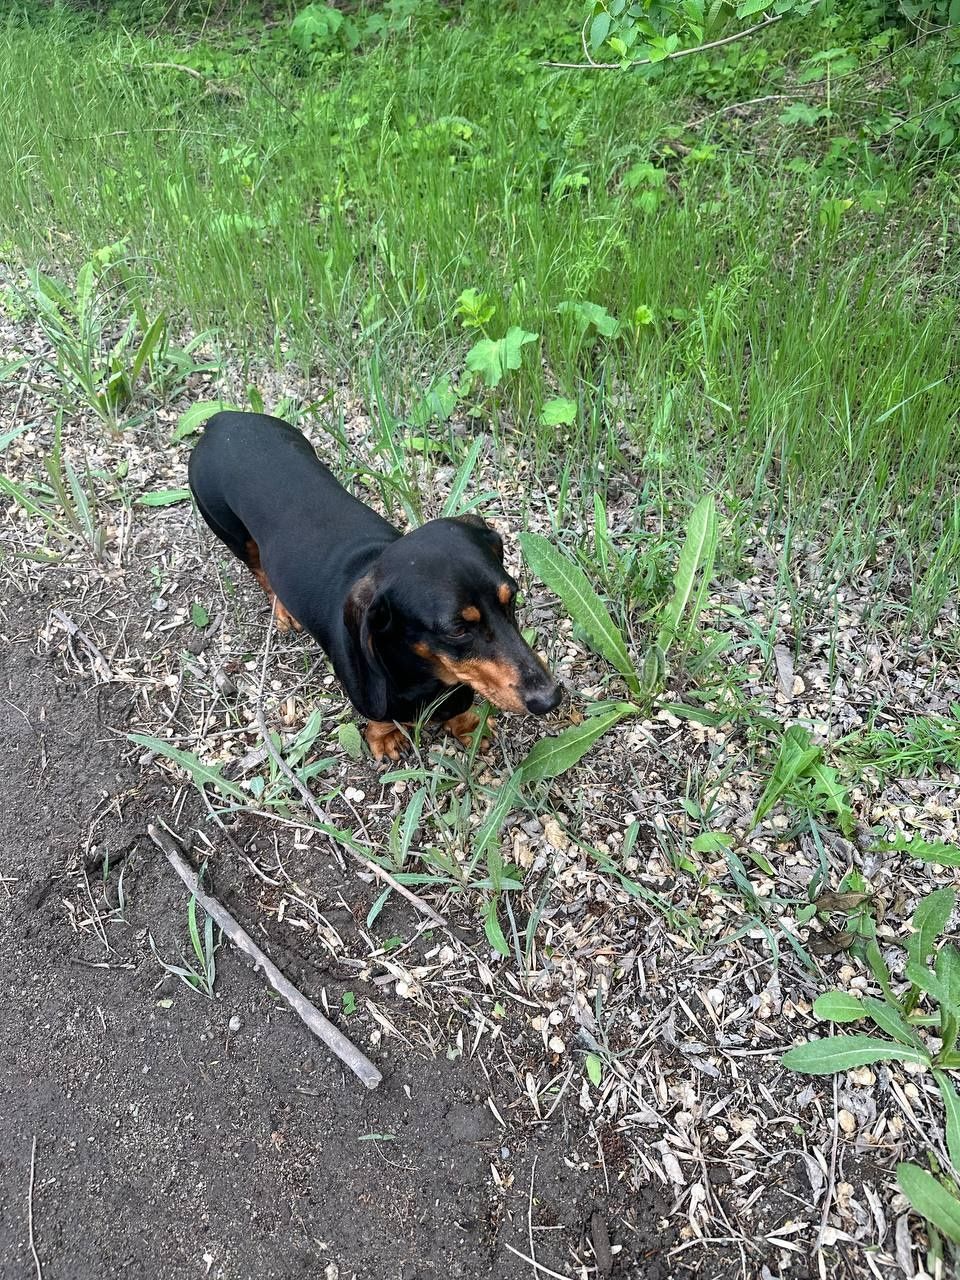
(405, 619)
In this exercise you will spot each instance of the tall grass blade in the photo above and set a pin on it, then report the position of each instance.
(148, 345)
(462, 478)
(552, 756)
(201, 774)
(931, 1199)
(568, 581)
(840, 1053)
(489, 830)
(696, 563)
(951, 1103)
(796, 756)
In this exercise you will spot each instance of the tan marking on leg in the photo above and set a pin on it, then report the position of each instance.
(464, 725)
(384, 738)
(284, 619)
(254, 565)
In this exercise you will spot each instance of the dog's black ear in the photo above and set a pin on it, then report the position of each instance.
(490, 534)
(366, 615)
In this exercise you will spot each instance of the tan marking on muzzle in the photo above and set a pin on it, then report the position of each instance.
(495, 681)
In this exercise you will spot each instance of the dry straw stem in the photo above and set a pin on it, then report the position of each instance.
(33, 1171)
(336, 1042)
(309, 800)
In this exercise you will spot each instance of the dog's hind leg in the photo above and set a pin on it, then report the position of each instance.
(251, 558)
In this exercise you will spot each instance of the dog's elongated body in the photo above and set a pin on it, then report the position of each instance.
(404, 619)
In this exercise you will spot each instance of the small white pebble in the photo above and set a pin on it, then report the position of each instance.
(234, 1023)
(862, 1076)
(557, 1045)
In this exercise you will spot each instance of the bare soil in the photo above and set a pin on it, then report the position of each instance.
(167, 1144)
(180, 1136)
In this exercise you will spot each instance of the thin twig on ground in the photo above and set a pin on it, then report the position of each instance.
(832, 1175)
(788, 95)
(31, 372)
(533, 1251)
(33, 1170)
(72, 630)
(175, 66)
(336, 1042)
(537, 1266)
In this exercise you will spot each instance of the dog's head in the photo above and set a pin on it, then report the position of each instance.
(438, 605)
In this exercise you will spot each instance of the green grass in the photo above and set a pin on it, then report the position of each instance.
(786, 294)
(924, 745)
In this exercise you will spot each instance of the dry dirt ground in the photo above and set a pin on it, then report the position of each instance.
(177, 1135)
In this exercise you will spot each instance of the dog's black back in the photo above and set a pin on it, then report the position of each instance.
(256, 479)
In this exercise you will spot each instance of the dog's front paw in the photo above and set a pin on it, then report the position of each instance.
(386, 740)
(284, 618)
(464, 726)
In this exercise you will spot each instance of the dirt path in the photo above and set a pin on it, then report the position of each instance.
(168, 1144)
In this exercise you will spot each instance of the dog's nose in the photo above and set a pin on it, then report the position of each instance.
(542, 701)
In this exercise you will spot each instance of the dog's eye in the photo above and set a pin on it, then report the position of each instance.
(457, 631)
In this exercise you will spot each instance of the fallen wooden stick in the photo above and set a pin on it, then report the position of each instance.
(336, 1042)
